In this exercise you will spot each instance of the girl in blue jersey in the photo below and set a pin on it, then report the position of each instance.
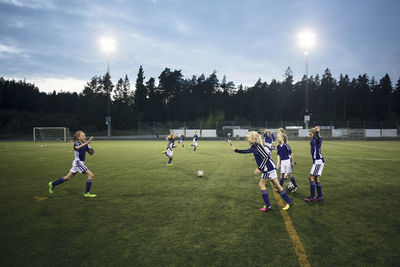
(318, 165)
(181, 139)
(81, 146)
(229, 135)
(195, 144)
(268, 139)
(285, 159)
(267, 167)
(171, 145)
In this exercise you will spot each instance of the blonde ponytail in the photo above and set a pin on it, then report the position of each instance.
(256, 137)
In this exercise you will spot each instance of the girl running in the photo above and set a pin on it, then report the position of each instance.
(81, 146)
(195, 144)
(181, 139)
(267, 167)
(171, 145)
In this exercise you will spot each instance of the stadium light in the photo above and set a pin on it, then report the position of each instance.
(306, 41)
(108, 45)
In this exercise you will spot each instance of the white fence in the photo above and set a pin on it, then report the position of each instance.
(240, 132)
(302, 133)
(190, 132)
(208, 133)
(345, 132)
(389, 132)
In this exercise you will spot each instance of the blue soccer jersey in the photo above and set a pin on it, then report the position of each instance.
(263, 160)
(182, 138)
(267, 139)
(316, 144)
(171, 143)
(284, 151)
(195, 137)
(81, 152)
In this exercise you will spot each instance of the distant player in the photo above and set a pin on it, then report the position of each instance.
(267, 167)
(286, 160)
(318, 165)
(181, 139)
(195, 144)
(81, 146)
(268, 138)
(273, 140)
(229, 139)
(171, 145)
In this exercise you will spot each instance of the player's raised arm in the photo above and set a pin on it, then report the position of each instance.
(84, 143)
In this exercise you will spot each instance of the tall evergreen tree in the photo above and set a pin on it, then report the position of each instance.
(140, 95)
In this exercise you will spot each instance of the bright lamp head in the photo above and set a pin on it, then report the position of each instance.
(107, 45)
(306, 40)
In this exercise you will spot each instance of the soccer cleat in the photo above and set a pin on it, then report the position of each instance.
(51, 188)
(163, 152)
(88, 194)
(294, 190)
(287, 206)
(169, 164)
(320, 199)
(265, 209)
(309, 199)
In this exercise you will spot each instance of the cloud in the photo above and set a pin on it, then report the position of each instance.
(6, 49)
(33, 4)
(66, 84)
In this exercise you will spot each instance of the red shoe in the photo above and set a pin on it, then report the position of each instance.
(265, 209)
(320, 199)
(310, 199)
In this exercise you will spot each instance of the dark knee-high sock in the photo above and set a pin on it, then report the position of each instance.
(88, 185)
(264, 194)
(319, 190)
(285, 196)
(195, 148)
(281, 181)
(59, 181)
(312, 189)
(169, 161)
(293, 181)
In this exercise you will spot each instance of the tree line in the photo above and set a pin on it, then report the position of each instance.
(176, 98)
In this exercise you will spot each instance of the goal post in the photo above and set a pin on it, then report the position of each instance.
(51, 134)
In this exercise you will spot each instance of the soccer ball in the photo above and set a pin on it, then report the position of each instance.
(290, 186)
(200, 173)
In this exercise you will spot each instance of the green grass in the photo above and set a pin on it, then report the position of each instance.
(150, 215)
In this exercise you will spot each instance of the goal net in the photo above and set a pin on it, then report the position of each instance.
(59, 134)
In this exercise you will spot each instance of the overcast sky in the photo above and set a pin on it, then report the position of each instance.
(55, 44)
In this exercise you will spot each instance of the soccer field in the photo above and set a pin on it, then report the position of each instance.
(149, 214)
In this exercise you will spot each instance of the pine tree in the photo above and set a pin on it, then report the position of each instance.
(140, 95)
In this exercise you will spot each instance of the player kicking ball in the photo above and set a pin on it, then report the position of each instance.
(81, 146)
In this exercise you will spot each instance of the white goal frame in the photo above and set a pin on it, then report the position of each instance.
(50, 128)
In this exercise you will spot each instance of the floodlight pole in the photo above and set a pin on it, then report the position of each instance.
(306, 72)
(108, 62)
(306, 90)
(108, 119)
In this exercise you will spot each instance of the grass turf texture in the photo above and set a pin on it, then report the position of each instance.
(149, 214)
